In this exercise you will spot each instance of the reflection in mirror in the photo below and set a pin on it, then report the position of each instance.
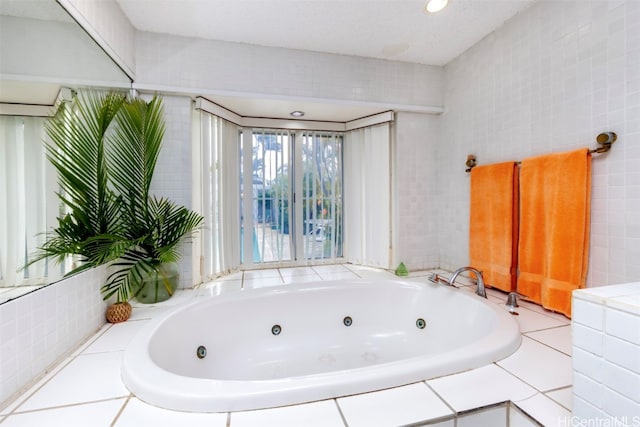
(43, 54)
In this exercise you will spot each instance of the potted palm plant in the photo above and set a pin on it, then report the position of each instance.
(105, 152)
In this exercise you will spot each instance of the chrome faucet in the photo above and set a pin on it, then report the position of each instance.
(480, 290)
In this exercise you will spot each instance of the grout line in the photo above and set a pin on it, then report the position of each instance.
(536, 391)
(70, 405)
(117, 417)
(54, 371)
(545, 344)
(556, 401)
(440, 397)
(344, 419)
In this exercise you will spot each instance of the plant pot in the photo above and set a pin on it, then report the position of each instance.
(158, 285)
(118, 312)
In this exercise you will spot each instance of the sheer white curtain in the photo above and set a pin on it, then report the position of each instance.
(29, 204)
(217, 183)
(367, 201)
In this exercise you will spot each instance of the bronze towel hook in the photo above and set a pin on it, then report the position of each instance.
(471, 162)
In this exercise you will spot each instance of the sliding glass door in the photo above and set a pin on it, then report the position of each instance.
(291, 195)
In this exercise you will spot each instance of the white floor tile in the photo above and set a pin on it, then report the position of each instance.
(264, 282)
(338, 275)
(377, 274)
(393, 407)
(558, 338)
(137, 413)
(24, 396)
(545, 411)
(117, 337)
(517, 418)
(148, 312)
(330, 268)
(87, 378)
(530, 321)
(540, 309)
(104, 328)
(302, 279)
(564, 396)
(480, 387)
(261, 274)
(216, 288)
(316, 414)
(494, 417)
(90, 414)
(540, 366)
(297, 271)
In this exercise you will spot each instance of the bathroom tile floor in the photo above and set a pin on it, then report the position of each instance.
(85, 389)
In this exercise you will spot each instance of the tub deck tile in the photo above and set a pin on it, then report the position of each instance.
(539, 365)
(91, 414)
(317, 414)
(137, 413)
(480, 387)
(393, 407)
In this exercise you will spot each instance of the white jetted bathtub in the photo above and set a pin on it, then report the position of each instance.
(297, 343)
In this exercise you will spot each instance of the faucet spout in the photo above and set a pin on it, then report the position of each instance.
(480, 289)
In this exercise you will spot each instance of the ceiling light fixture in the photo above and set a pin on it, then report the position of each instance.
(434, 6)
(296, 113)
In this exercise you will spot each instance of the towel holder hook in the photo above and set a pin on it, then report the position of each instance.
(605, 139)
(471, 162)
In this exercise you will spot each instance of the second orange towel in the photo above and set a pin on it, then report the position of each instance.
(554, 227)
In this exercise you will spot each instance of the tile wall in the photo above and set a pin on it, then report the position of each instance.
(606, 354)
(550, 79)
(108, 24)
(416, 139)
(200, 66)
(38, 329)
(172, 177)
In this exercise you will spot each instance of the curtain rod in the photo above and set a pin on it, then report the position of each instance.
(605, 139)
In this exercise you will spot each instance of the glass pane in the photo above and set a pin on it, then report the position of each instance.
(271, 196)
(322, 195)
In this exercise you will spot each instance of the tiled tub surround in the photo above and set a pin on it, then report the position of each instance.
(38, 329)
(86, 389)
(606, 351)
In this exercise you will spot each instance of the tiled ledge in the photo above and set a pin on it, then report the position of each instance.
(86, 388)
(606, 340)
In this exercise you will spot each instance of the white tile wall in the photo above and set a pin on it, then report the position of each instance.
(202, 66)
(68, 56)
(109, 24)
(550, 79)
(416, 137)
(172, 177)
(38, 329)
(606, 380)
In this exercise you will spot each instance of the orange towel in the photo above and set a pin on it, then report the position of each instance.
(555, 193)
(493, 226)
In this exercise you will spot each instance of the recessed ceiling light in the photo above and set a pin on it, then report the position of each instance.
(434, 6)
(296, 113)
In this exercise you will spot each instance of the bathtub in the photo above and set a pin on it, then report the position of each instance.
(298, 343)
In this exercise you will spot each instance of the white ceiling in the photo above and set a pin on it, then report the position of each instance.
(398, 30)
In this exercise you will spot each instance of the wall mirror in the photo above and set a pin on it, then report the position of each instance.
(43, 53)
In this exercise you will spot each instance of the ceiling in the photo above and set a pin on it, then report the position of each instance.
(398, 30)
